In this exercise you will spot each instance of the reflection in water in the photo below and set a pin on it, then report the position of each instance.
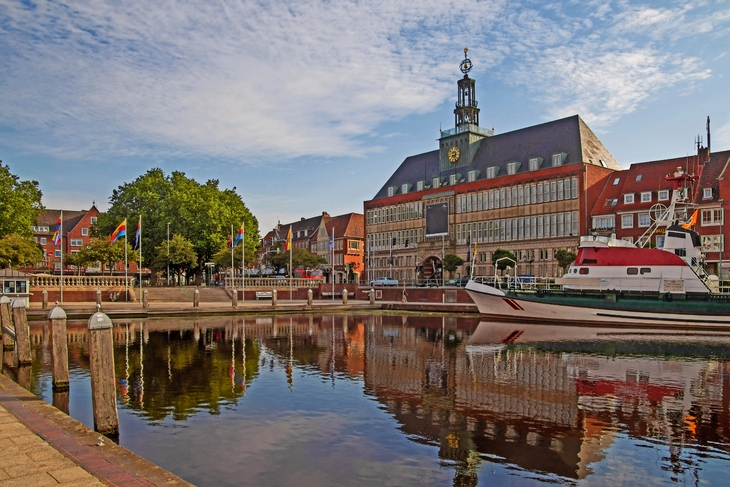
(479, 403)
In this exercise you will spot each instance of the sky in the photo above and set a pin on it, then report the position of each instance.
(307, 106)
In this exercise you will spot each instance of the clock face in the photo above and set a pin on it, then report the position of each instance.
(454, 154)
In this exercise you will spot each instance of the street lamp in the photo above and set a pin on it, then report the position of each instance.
(168, 254)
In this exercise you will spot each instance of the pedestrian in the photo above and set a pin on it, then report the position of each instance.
(405, 296)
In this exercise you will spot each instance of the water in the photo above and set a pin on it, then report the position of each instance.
(355, 400)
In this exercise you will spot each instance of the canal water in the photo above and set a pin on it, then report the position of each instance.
(401, 400)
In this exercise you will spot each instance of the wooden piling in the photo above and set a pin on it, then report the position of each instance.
(44, 302)
(234, 298)
(274, 294)
(22, 332)
(344, 296)
(372, 296)
(309, 297)
(196, 298)
(101, 367)
(7, 332)
(59, 349)
(145, 299)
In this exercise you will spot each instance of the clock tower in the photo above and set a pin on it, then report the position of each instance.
(458, 146)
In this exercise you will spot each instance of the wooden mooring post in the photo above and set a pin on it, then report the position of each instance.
(7, 331)
(234, 298)
(59, 349)
(22, 332)
(101, 367)
(344, 296)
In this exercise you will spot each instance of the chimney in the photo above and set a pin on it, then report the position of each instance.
(303, 219)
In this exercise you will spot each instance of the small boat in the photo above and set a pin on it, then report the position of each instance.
(617, 282)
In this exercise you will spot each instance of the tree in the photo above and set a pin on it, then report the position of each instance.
(100, 250)
(501, 254)
(300, 258)
(20, 204)
(222, 258)
(452, 262)
(202, 213)
(181, 258)
(564, 258)
(18, 251)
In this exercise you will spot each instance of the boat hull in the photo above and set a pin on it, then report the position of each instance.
(602, 308)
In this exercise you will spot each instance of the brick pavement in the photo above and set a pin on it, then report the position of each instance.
(40, 445)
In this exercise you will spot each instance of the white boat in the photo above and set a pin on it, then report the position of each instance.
(617, 282)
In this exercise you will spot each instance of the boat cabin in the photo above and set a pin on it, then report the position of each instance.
(14, 285)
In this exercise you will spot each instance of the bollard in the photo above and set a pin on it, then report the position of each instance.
(101, 368)
(344, 296)
(98, 297)
(273, 298)
(145, 299)
(372, 296)
(309, 297)
(196, 298)
(22, 332)
(234, 298)
(44, 304)
(59, 349)
(7, 332)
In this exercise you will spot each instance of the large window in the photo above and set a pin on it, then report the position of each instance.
(353, 244)
(712, 217)
(644, 220)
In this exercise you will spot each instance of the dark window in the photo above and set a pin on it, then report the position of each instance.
(681, 252)
(632, 271)
(646, 270)
(676, 234)
(589, 261)
(584, 270)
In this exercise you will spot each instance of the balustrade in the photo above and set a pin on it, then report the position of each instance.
(271, 282)
(79, 281)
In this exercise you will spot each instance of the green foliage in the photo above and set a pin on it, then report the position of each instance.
(564, 258)
(100, 250)
(20, 204)
(182, 256)
(452, 262)
(300, 258)
(503, 264)
(202, 213)
(18, 251)
(222, 258)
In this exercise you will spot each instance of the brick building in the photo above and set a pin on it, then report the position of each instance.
(528, 191)
(314, 235)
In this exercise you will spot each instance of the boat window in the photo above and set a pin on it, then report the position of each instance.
(632, 271)
(584, 270)
(589, 261)
(646, 270)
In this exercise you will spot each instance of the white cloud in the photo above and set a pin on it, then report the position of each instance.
(254, 81)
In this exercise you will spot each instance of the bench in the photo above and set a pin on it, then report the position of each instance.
(264, 295)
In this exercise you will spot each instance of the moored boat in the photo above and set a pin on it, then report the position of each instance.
(617, 282)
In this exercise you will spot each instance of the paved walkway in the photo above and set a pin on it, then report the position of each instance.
(40, 445)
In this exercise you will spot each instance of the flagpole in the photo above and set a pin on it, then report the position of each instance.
(60, 239)
(126, 283)
(140, 259)
(333, 262)
(243, 256)
(233, 267)
(291, 270)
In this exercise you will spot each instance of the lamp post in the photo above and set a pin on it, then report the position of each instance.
(168, 254)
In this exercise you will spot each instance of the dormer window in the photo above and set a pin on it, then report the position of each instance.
(706, 193)
(639, 177)
(663, 195)
(616, 181)
(391, 191)
(419, 186)
(559, 159)
(646, 196)
(471, 176)
(512, 167)
(535, 163)
(628, 198)
(404, 188)
(492, 172)
(452, 179)
(435, 183)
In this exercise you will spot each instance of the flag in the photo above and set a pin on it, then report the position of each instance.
(468, 246)
(692, 221)
(57, 234)
(121, 231)
(138, 235)
(239, 237)
(332, 239)
(287, 245)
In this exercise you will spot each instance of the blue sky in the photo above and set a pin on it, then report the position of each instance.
(308, 106)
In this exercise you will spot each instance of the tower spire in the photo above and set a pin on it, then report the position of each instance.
(466, 111)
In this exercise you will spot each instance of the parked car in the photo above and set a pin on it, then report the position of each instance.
(461, 282)
(384, 281)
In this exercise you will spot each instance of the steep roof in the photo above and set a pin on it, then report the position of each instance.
(570, 136)
(71, 218)
(347, 225)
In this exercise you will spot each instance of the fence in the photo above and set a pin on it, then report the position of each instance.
(272, 282)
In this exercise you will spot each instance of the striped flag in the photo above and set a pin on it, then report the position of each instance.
(138, 235)
(287, 245)
(239, 237)
(121, 231)
(57, 233)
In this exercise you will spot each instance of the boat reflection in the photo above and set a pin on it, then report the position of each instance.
(546, 400)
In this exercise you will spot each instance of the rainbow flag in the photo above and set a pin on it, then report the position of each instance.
(57, 234)
(239, 237)
(121, 231)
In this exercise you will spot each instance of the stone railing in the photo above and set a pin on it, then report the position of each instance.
(272, 282)
(79, 281)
